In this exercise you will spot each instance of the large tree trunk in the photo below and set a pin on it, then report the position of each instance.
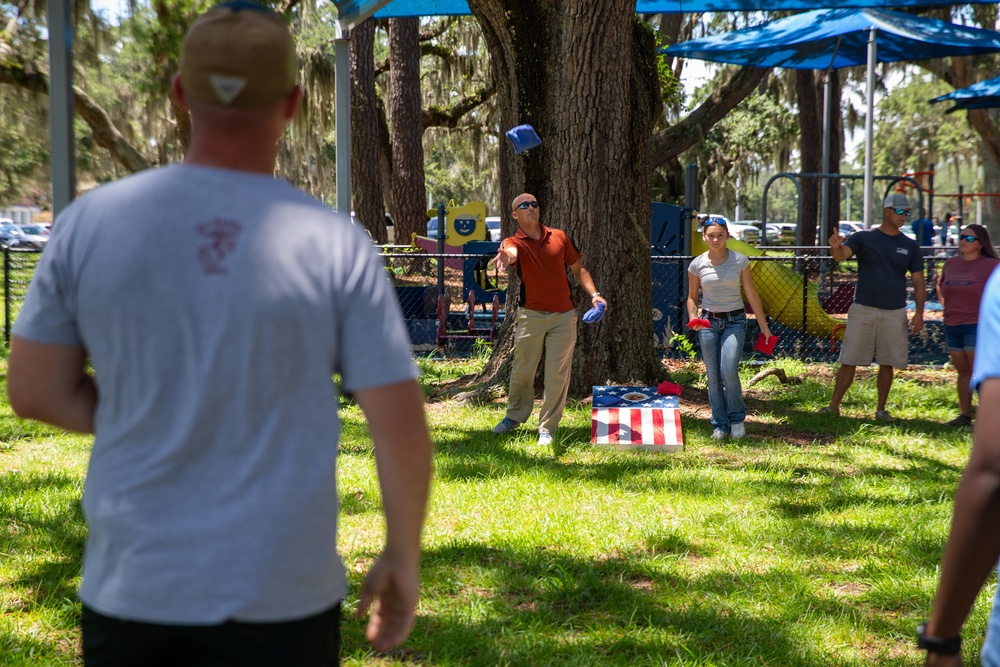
(809, 95)
(586, 81)
(409, 194)
(366, 183)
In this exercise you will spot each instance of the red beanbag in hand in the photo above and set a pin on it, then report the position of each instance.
(765, 347)
(699, 322)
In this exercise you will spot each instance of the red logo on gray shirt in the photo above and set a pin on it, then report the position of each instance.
(222, 235)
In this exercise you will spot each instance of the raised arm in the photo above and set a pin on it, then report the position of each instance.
(396, 422)
(506, 255)
(838, 250)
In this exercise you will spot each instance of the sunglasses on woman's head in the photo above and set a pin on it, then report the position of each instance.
(525, 204)
(968, 237)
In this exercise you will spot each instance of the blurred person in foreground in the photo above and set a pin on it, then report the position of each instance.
(973, 546)
(876, 322)
(960, 288)
(211, 496)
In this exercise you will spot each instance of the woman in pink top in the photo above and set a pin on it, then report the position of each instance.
(960, 288)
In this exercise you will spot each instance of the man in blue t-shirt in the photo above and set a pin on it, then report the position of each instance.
(876, 322)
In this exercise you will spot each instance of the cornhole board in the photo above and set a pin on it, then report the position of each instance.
(636, 418)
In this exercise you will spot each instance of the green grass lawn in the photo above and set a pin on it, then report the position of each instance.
(815, 541)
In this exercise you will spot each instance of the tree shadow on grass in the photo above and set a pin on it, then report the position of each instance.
(512, 605)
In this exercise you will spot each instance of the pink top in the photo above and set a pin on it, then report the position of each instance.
(962, 284)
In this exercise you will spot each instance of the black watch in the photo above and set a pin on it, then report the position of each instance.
(949, 646)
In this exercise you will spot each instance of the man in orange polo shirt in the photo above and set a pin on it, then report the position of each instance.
(546, 316)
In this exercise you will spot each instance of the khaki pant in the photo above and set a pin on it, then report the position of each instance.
(556, 334)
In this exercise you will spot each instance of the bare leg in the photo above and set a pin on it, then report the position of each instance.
(963, 364)
(884, 385)
(845, 378)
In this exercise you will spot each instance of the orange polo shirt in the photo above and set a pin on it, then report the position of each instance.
(541, 267)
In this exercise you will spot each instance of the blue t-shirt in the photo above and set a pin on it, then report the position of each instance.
(883, 262)
(923, 229)
(987, 362)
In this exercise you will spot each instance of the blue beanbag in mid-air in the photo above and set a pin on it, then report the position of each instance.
(595, 314)
(523, 138)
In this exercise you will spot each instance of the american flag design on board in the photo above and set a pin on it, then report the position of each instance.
(636, 418)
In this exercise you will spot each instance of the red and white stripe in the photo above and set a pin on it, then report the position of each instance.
(636, 426)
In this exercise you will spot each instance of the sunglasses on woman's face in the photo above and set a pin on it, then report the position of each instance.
(968, 237)
(525, 204)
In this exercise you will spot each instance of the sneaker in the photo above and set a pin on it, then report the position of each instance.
(828, 411)
(737, 430)
(961, 420)
(884, 416)
(544, 438)
(719, 434)
(506, 425)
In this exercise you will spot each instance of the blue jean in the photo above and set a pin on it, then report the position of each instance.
(990, 655)
(721, 348)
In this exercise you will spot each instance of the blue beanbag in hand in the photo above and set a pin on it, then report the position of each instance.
(595, 314)
(523, 137)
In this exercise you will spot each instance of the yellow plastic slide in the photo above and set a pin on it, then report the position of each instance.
(780, 290)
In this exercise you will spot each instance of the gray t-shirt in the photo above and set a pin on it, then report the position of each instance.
(883, 262)
(720, 285)
(215, 306)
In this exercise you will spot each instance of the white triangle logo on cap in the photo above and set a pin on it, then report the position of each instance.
(227, 87)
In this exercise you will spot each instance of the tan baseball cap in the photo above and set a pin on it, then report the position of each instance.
(240, 55)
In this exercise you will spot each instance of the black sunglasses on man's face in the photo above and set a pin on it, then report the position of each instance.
(525, 204)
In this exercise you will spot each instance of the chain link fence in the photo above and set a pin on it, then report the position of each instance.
(806, 299)
(18, 268)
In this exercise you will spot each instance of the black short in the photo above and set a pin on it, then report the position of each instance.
(308, 642)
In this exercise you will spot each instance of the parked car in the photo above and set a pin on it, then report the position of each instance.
(848, 227)
(11, 236)
(780, 233)
(493, 227)
(744, 232)
(35, 236)
(738, 230)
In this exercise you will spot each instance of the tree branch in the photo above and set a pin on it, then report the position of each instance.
(440, 116)
(676, 139)
(105, 132)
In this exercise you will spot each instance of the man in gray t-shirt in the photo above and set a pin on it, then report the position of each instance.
(215, 303)
(876, 322)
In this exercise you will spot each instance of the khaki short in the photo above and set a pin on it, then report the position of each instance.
(874, 333)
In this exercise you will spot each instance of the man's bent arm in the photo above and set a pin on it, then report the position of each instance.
(395, 415)
(974, 541)
(50, 383)
(583, 277)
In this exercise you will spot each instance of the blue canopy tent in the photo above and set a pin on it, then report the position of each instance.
(833, 38)
(404, 8)
(982, 95)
